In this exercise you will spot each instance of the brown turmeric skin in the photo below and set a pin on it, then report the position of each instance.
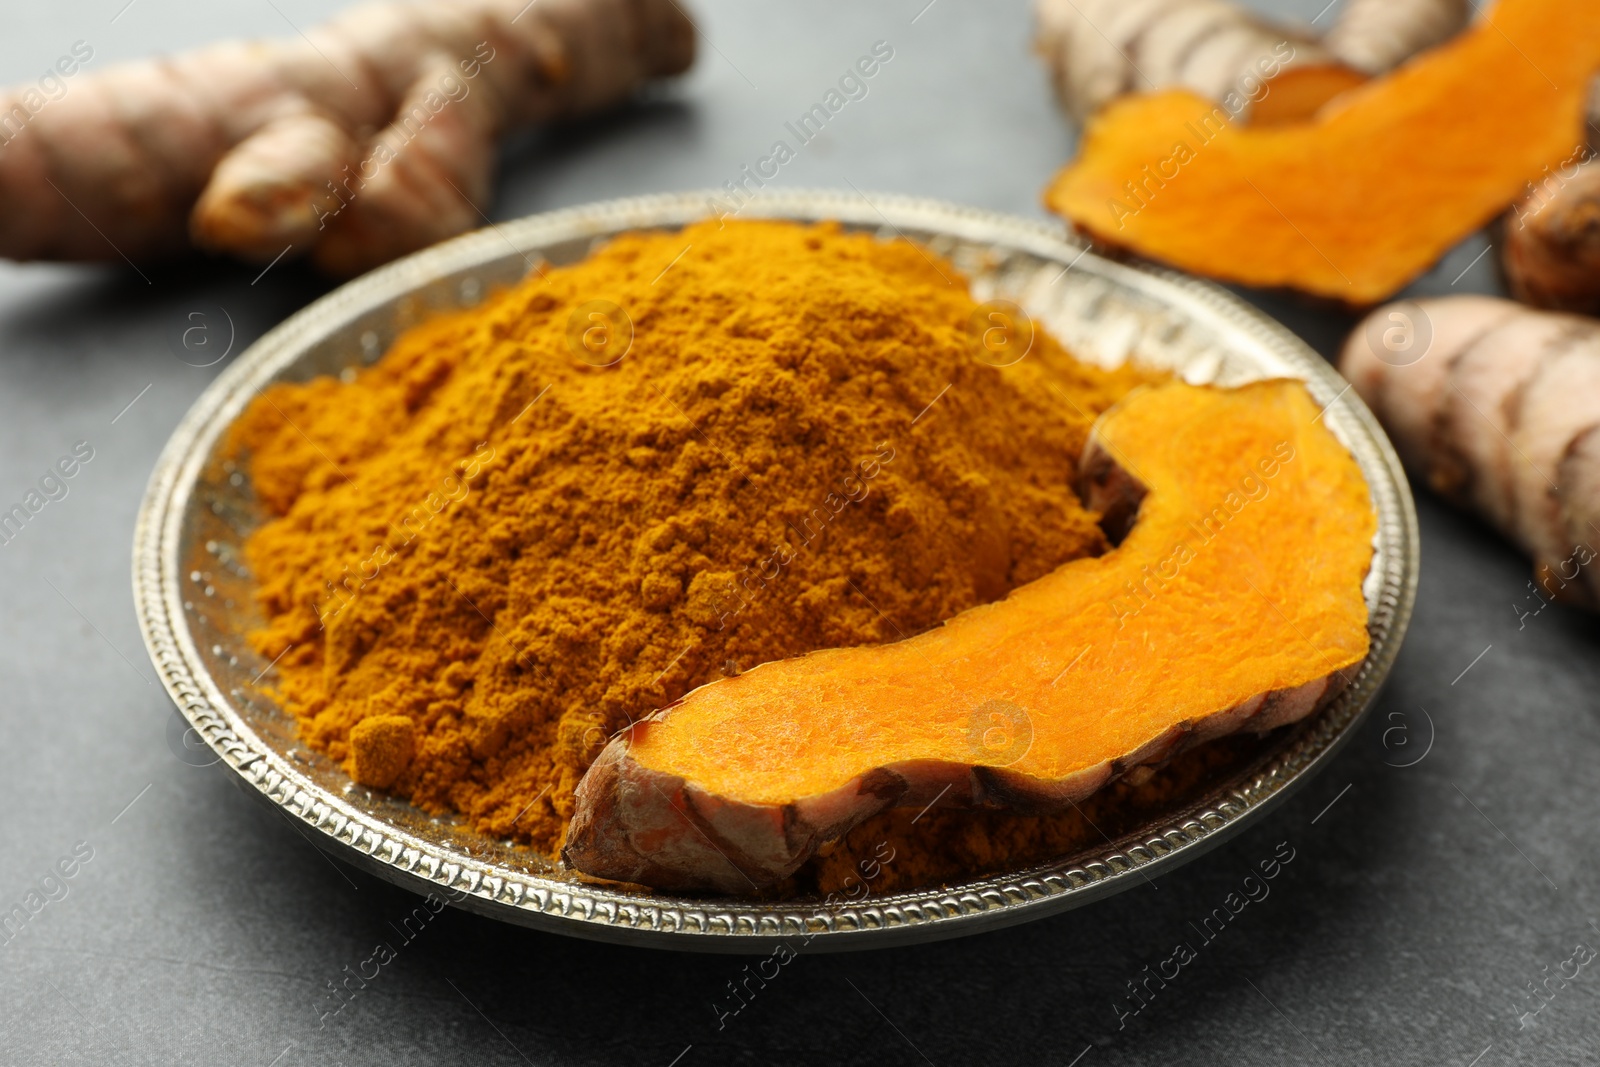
(942, 846)
(534, 522)
(1550, 245)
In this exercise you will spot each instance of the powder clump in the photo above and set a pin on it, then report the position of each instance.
(537, 520)
(381, 748)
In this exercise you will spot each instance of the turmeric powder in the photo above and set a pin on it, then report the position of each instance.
(536, 521)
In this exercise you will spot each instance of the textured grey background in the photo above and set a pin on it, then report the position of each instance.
(1417, 909)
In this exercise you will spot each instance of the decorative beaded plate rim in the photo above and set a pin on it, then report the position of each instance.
(1166, 306)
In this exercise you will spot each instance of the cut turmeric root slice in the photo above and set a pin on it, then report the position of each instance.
(1234, 603)
(1368, 194)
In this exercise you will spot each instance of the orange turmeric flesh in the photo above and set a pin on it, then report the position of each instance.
(1234, 603)
(1359, 200)
(1298, 93)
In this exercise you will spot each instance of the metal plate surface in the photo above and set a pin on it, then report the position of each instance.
(195, 607)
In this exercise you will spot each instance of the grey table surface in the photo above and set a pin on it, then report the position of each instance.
(1423, 902)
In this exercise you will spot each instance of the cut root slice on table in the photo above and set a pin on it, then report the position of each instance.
(1360, 199)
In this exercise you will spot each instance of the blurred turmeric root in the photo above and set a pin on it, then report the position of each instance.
(1497, 407)
(1099, 50)
(371, 136)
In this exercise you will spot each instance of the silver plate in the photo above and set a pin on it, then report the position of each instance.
(195, 605)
